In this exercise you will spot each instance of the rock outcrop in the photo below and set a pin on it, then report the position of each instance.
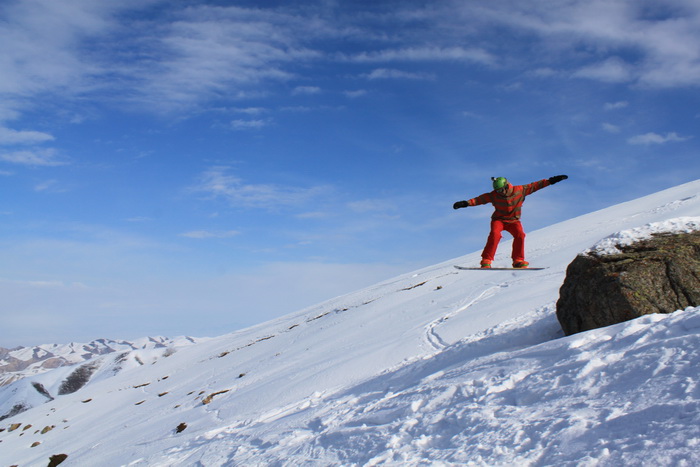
(660, 274)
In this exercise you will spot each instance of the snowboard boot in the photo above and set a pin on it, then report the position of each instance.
(485, 264)
(522, 264)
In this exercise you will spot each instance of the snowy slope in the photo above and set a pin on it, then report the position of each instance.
(438, 365)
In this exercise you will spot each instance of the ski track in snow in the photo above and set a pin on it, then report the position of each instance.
(431, 335)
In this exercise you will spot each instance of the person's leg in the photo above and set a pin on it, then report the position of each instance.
(492, 242)
(516, 230)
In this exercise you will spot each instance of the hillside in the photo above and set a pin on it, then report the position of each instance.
(20, 362)
(434, 365)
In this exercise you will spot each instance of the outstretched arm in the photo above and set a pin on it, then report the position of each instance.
(481, 199)
(530, 188)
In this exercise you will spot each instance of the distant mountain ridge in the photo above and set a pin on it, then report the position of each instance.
(20, 362)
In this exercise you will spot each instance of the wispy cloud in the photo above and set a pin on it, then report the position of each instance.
(48, 186)
(34, 155)
(612, 70)
(625, 42)
(8, 136)
(655, 138)
(219, 182)
(205, 234)
(195, 53)
(616, 105)
(422, 54)
(37, 157)
(43, 284)
(254, 124)
(306, 90)
(210, 50)
(387, 73)
(355, 93)
(250, 110)
(204, 52)
(47, 45)
(610, 128)
(314, 215)
(474, 115)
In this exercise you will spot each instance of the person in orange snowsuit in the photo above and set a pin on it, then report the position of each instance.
(508, 201)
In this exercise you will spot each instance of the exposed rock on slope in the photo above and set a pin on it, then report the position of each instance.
(78, 378)
(627, 279)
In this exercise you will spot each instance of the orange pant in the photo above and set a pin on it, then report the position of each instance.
(515, 229)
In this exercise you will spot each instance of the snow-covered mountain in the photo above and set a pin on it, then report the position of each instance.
(435, 367)
(19, 362)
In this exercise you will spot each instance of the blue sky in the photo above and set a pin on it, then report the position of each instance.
(194, 167)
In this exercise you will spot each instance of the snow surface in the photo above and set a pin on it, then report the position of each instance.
(435, 367)
(611, 245)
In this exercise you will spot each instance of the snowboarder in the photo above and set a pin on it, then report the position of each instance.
(508, 200)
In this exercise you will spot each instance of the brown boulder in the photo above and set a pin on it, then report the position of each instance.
(57, 459)
(656, 275)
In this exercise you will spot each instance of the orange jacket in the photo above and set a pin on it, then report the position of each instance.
(509, 204)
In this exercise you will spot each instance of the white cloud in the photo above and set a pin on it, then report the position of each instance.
(386, 73)
(355, 94)
(204, 234)
(422, 54)
(308, 90)
(306, 108)
(655, 138)
(209, 52)
(616, 105)
(218, 182)
(250, 110)
(611, 70)
(610, 128)
(38, 157)
(9, 136)
(160, 62)
(313, 215)
(651, 44)
(48, 185)
(47, 45)
(249, 124)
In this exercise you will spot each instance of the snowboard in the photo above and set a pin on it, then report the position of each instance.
(464, 268)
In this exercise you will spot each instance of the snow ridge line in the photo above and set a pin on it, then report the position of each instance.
(433, 338)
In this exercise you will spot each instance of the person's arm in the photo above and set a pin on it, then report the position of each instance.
(534, 186)
(481, 199)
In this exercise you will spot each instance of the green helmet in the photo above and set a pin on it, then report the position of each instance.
(499, 182)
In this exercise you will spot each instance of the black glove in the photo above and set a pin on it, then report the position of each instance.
(557, 178)
(460, 204)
